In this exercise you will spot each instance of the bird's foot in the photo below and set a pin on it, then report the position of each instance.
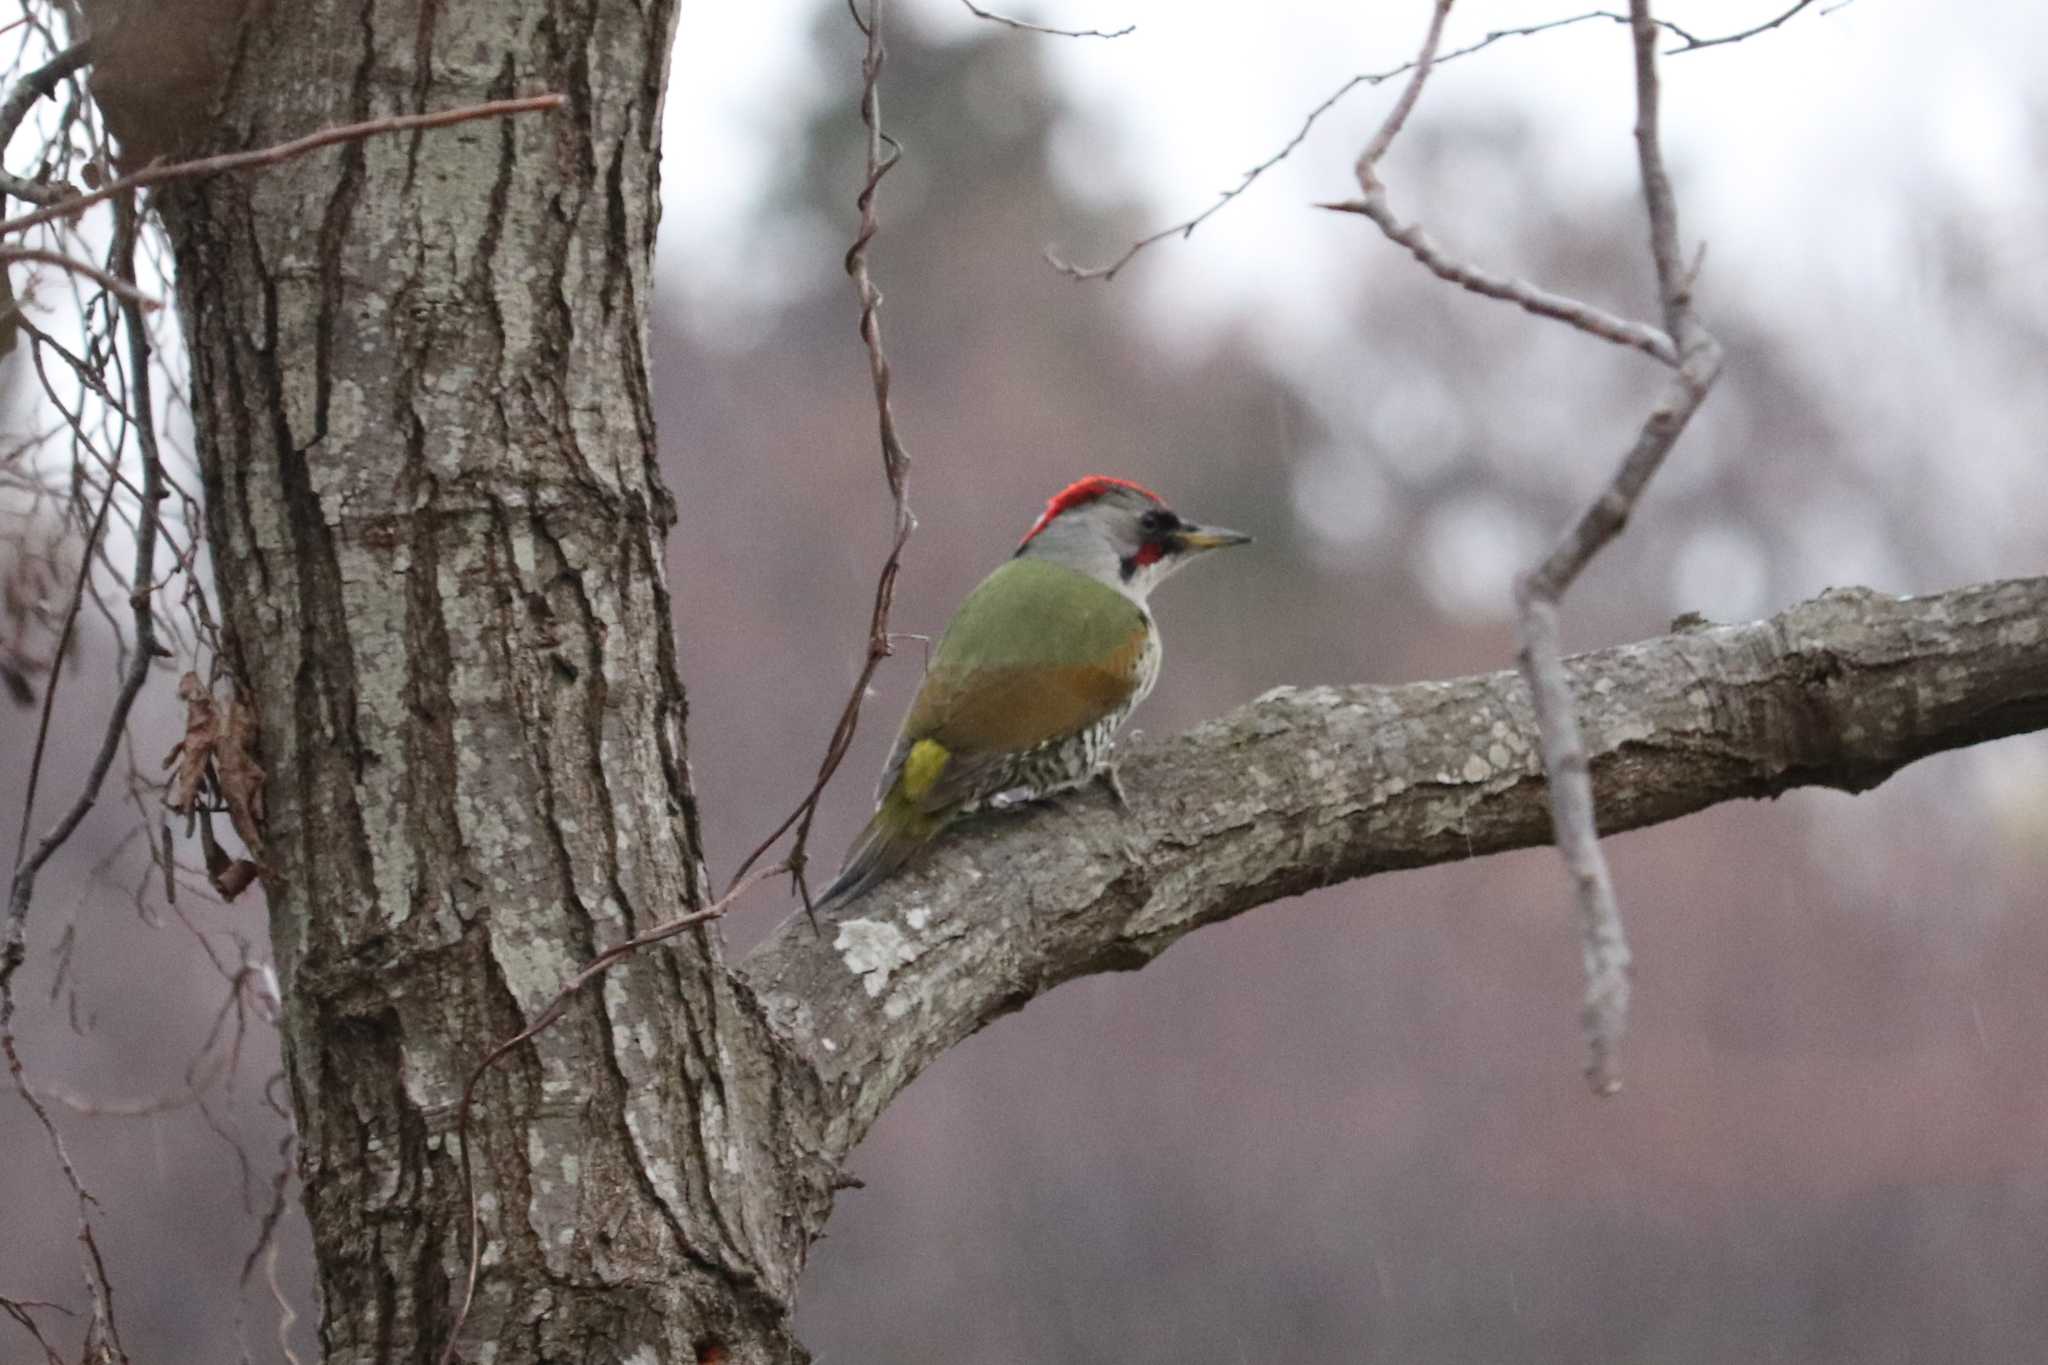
(1107, 776)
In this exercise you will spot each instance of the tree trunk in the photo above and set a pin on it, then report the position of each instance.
(421, 391)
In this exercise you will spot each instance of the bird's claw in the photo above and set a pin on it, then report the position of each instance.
(1107, 776)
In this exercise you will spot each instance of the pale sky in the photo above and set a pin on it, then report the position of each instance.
(1808, 159)
(1799, 149)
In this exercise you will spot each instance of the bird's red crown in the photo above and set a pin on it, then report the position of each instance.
(1080, 492)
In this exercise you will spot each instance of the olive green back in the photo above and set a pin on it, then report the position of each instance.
(1036, 653)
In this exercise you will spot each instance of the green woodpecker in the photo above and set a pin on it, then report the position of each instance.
(1034, 674)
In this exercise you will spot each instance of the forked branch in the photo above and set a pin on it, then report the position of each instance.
(1604, 943)
(1696, 358)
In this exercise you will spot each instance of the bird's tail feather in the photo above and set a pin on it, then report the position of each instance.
(887, 843)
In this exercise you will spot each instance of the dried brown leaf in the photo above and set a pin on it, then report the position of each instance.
(229, 875)
(192, 753)
(240, 778)
(237, 879)
(217, 757)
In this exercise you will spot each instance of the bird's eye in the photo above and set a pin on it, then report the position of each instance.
(1157, 520)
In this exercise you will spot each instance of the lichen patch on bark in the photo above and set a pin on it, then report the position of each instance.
(873, 949)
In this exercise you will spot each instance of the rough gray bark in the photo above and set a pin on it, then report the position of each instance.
(429, 464)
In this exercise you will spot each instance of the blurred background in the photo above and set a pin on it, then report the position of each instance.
(1351, 1126)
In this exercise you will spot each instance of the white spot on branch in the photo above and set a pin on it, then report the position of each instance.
(872, 949)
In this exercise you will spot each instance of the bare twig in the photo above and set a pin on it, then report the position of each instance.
(1586, 317)
(1535, 299)
(1603, 941)
(1397, 117)
(882, 155)
(283, 151)
(13, 942)
(210, 1065)
(1695, 358)
(1372, 203)
(112, 284)
(102, 1328)
(21, 1311)
(597, 967)
(36, 85)
(1186, 227)
(1692, 44)
(143, 617)
(218, 1055)
(35, 762)
(265, 1249)
(286, 1315)
(1026, 26)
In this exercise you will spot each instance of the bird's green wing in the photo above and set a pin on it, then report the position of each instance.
(1036, 653)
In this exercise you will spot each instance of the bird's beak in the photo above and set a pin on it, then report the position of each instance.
(1211, 537)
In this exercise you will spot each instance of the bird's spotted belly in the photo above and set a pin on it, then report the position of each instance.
(1058, 766)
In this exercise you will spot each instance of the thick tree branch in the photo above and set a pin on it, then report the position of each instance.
(1306, 787)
